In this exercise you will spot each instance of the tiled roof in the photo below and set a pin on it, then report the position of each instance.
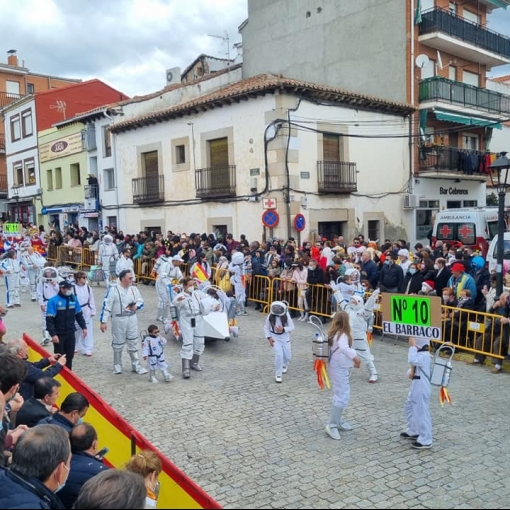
(260, 85)
(200, 57)
(502, 79)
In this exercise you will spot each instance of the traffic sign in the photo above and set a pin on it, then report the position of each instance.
(299, 222)
(418, 316)
(270, 218)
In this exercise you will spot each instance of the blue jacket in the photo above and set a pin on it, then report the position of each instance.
(57, 419)
(34, 372)
(83, 467)
(16, 491)
(61, 312)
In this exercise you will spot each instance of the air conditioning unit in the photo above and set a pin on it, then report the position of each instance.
(173, 76)
(410, 201)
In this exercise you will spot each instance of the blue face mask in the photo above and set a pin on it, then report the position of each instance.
(387, 262)
(80, 420)
(412, 271)
(62, 485)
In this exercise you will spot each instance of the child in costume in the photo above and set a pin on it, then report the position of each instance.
(152, 352)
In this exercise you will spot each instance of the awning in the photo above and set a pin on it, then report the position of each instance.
(499, 3)
(464, 119)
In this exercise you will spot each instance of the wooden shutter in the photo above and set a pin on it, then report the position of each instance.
(151, 163)
(219, 152)
(331, 147)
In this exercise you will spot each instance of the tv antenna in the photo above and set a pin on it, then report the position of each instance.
(225, 39)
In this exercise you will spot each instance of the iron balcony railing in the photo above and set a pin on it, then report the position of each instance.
(457, 93)
(216, 182)
(148, 189)
(453, 159)
(8, 98)
(439, 20)
(336, 177)
(91, 191)
(2, 144)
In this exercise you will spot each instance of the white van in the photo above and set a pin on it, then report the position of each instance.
(492, 254)
(474, 227)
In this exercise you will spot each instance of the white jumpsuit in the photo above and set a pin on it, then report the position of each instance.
(417, 406)
(340, 365)
(282, 342)
(167, 274)
(124, 263)
(191, 312)
(107, 253)
(237, 279)
(45, 291)
(85, 297)
(11, 269)
(152, 349)
(359, 315)
(124, 324)
(32, 262)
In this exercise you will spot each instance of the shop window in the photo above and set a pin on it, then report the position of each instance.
(470, 203)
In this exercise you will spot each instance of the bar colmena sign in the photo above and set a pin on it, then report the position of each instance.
(62, 147)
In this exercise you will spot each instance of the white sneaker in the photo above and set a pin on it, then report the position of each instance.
(141, 371)
(373, 378)
(168, 376)
(153, 379)
(117, 369)
(285, 369)
(332, 432)
(344, 426)
(278, 378)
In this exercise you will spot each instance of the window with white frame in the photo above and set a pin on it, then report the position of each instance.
(27, 128)
(17, 168)
(29, 172)
(15, 128)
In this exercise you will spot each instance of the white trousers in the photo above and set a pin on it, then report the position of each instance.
(86, 345)
(282, 355)
(417, 410)
(360, 345)
(340, 380)
(12, 289)
(192, 338)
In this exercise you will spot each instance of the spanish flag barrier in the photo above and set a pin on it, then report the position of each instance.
(177, 489)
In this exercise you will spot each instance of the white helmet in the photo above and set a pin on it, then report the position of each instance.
(356, 302)
(278, 308)
(353, 275)
(237, 258)
(50, 274)
(108, 239)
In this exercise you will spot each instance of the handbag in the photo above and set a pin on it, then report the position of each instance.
(96, 274)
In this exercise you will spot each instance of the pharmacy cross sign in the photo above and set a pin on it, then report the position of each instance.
(269, 203)
(446, 231)
(465, 231)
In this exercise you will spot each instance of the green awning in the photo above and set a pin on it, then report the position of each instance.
(499, 3)
(464, 119)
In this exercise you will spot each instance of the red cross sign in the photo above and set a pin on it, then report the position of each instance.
(465, 231)
(446, 231)
(269, 203)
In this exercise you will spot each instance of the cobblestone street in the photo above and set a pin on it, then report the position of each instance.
(252, 443)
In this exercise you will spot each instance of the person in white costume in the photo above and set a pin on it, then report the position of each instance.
(32, 262)
(277, 329)
(152, 352)
(168, 274)
(342, 357)
(121, 302)
(193, 305)
(236, 271)
(85, 297)
(107, 254)
(11, 269)
(360, 316)
(417, 406)
(125, 262)
(46, 288)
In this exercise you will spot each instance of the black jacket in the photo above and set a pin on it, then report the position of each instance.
(57, 419)
(315, 276)
(441, 280)
(34, 372)
(391, 277)
(83, 467)
(31, 413)
(16, 491)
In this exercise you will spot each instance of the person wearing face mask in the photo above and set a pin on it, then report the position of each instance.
(391, 275)
(62, 311)
(192, 307)
(42, 404)
(412, 280)
(45, 367)
(39, 469)
(147, 464)
(442, 276)
(85, 462)
(71, 413)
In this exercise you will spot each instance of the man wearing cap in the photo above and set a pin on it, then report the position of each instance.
(62, 311)
(461, 280)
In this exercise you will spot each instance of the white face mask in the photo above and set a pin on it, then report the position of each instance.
(436, 267)
(67, 292)
(446, 297)
(425, 290)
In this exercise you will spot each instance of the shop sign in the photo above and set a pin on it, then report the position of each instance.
(453, 191)
(62, 147)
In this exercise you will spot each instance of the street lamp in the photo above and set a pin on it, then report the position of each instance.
(15, 194)
(499, 181)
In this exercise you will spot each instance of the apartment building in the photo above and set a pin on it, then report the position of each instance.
(17, 81)
(24, 120)
(435, 57)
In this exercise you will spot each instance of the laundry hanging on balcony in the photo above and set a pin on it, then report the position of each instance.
(466, 120)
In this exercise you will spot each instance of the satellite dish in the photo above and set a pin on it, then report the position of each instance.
(421, 61)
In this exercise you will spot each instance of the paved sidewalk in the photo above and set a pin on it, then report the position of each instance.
(252, 443)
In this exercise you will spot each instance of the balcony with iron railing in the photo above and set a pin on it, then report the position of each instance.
(443, 159)
(148, 189)
(442, 90)
(445, 31)
(7, 98)
(216, 182)
(336, 177)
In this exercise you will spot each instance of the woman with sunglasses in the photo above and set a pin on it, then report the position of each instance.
(85, 297)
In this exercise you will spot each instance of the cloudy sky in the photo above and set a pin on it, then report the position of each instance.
(130, 43)
(127, 43)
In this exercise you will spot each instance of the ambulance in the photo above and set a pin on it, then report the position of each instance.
(473, 227)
